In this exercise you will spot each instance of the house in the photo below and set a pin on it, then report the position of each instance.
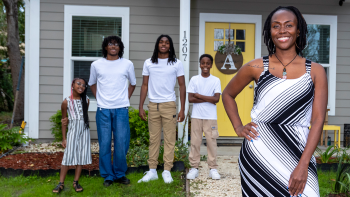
(64, 37)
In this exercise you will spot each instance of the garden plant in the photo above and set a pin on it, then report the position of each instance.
(11, 137)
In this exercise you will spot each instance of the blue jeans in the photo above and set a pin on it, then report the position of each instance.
(116, 120)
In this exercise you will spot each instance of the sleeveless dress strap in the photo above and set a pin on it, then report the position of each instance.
(266, 62)
(308, 66)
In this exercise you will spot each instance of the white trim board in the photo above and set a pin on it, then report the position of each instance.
(98, 11)
(32, 59)
(332, 66)
(229, 18)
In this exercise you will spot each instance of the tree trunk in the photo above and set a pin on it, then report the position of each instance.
(14, 54)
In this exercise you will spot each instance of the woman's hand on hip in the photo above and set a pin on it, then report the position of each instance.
(248, 131)
(297, 180)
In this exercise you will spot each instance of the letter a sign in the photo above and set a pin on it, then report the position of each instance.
(229, 61)
(228, 64)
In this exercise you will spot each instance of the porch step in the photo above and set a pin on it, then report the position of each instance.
(227, 141)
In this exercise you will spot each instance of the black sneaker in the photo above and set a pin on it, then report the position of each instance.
(123, 180)
(107, 183)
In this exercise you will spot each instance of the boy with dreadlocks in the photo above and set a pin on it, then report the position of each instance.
(159, 79)
(111, 75)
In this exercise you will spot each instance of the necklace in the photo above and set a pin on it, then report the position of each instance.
(284, 73)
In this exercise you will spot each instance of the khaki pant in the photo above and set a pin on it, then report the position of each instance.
(210, 129)
(162, 115)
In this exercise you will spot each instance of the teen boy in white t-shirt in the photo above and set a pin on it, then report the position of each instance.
(112, 81)
(204, 92)
(159, 78)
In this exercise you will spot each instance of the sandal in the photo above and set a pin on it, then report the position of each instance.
(58, 188)
(77, 186)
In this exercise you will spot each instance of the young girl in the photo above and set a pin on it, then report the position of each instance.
(77, 144)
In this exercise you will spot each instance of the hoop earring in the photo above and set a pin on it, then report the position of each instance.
(297, 45)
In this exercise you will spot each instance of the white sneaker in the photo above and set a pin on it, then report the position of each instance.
(213, 174)
(149, 177)
(167, 176)
(192, 174)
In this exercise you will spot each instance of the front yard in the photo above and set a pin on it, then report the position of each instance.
(39, 186)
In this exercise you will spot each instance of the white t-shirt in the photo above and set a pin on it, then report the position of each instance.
(206, 87)
(112, 78)
(162, 79)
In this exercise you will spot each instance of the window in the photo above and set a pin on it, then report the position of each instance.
(88, 33)
(85, 27)
(322, 46)
(220, 37)
(87, 36)
(318, 38)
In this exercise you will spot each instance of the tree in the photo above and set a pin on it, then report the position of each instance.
(14, 54)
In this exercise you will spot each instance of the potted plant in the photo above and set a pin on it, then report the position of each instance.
(326, 160)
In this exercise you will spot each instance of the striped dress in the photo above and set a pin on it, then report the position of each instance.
(78, 150)
(282, 110)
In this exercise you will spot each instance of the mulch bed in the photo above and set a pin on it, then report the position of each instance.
(41, 161)
(47, 164)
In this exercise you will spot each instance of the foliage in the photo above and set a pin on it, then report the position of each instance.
(181, 148)
(6, 89)
(137, 156)
(11, 137)
(204, 158)
(3, 28)
(6, 93)
(181, 153)
(56, 126)
(138, 128)
(327, 154)
(237, 49)
(341, 153)
(342, 179)
(345, 184)
(161, 155)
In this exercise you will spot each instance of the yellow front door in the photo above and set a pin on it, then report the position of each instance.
(242, 35)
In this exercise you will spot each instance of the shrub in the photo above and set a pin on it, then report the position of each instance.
(11, 137)
(137, 156)
(138, 128)
(56, 129)
(181, 153)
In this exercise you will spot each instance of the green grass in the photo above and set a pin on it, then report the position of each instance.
(325, 182)
(38, 186)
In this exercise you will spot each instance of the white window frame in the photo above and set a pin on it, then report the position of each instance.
(94, 11)
(332, 66)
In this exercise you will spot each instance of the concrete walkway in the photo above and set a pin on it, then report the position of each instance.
(228, 185)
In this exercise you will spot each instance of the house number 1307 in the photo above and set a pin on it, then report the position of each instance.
(184, 46)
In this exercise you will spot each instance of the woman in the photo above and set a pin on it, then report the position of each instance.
(276, 157)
